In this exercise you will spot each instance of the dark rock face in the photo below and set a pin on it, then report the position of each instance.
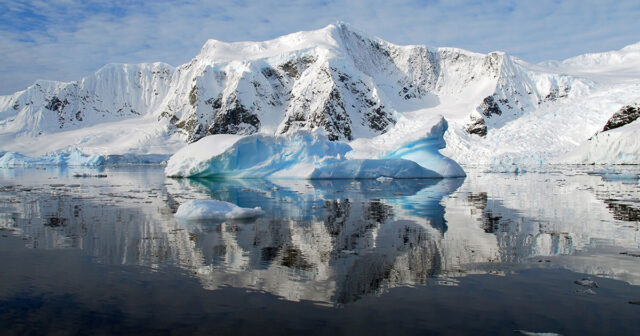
(374, 115)
(489, 107)
(557, 93)
(296, 66)
(192, 126)
(350, 100)
(476, 126)
(235, 119)
(624, 116)
(229, 117)
(55, 104)
(333, 118)
(193, 96)
(379, 120)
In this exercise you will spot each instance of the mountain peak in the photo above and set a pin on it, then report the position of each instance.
(324, 38)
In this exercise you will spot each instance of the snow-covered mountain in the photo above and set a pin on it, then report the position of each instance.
(354, 86)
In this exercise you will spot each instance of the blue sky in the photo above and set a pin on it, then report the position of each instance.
(68, 39)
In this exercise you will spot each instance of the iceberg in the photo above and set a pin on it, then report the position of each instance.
(419, 141)
(303, 154)
(254, 156)
(213, 209)
(425, 153)
(373, 169)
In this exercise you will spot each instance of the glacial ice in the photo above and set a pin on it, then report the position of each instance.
(616, 146)
(373, 169)
(303, 154)
(214, 209)
(77, 158)
(72, 158)
(418, 140)
(425, 152)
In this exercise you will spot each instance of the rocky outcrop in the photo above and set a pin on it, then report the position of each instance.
(624, 116)
(476, 125)
(489, 107)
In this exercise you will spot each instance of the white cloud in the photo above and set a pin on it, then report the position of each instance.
(64, 40)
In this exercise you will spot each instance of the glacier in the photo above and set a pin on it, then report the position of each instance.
(78, 158)
(617, 146)
(73, 158)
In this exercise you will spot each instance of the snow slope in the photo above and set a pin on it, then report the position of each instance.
(359, 89)
(617, 143)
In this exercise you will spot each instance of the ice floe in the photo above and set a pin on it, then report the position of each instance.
(213, 209)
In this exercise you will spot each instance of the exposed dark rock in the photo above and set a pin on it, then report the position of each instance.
(126, 109)
(215, 103)
(624, 116)
(55, 104)
(269, 72)
(193, 96)
(476, 126)
(378, 120)
(489, 107)
(333, 118)
(79, 116)
(294, 67)
(556, 93)
(172, 117)
(374, 115)
(234, 119)
(194, 129)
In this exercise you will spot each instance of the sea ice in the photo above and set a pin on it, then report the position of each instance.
(213, 209)
(586, 282)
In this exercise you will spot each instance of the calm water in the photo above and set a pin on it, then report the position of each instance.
(490, 254)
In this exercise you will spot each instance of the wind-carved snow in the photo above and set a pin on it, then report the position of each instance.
(353, 86)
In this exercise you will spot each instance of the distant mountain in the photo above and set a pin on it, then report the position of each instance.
(499, 108)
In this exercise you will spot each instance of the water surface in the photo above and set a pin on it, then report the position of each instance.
(488, 254)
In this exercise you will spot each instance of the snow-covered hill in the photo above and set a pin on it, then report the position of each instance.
(356, 87)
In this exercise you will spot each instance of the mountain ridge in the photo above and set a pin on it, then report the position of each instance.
(337, 78)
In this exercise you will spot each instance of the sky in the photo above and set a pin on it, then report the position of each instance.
(67, 39)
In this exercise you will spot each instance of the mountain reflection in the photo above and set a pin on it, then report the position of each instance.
(330, 241)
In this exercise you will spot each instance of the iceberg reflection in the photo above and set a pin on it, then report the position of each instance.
(330, 241)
